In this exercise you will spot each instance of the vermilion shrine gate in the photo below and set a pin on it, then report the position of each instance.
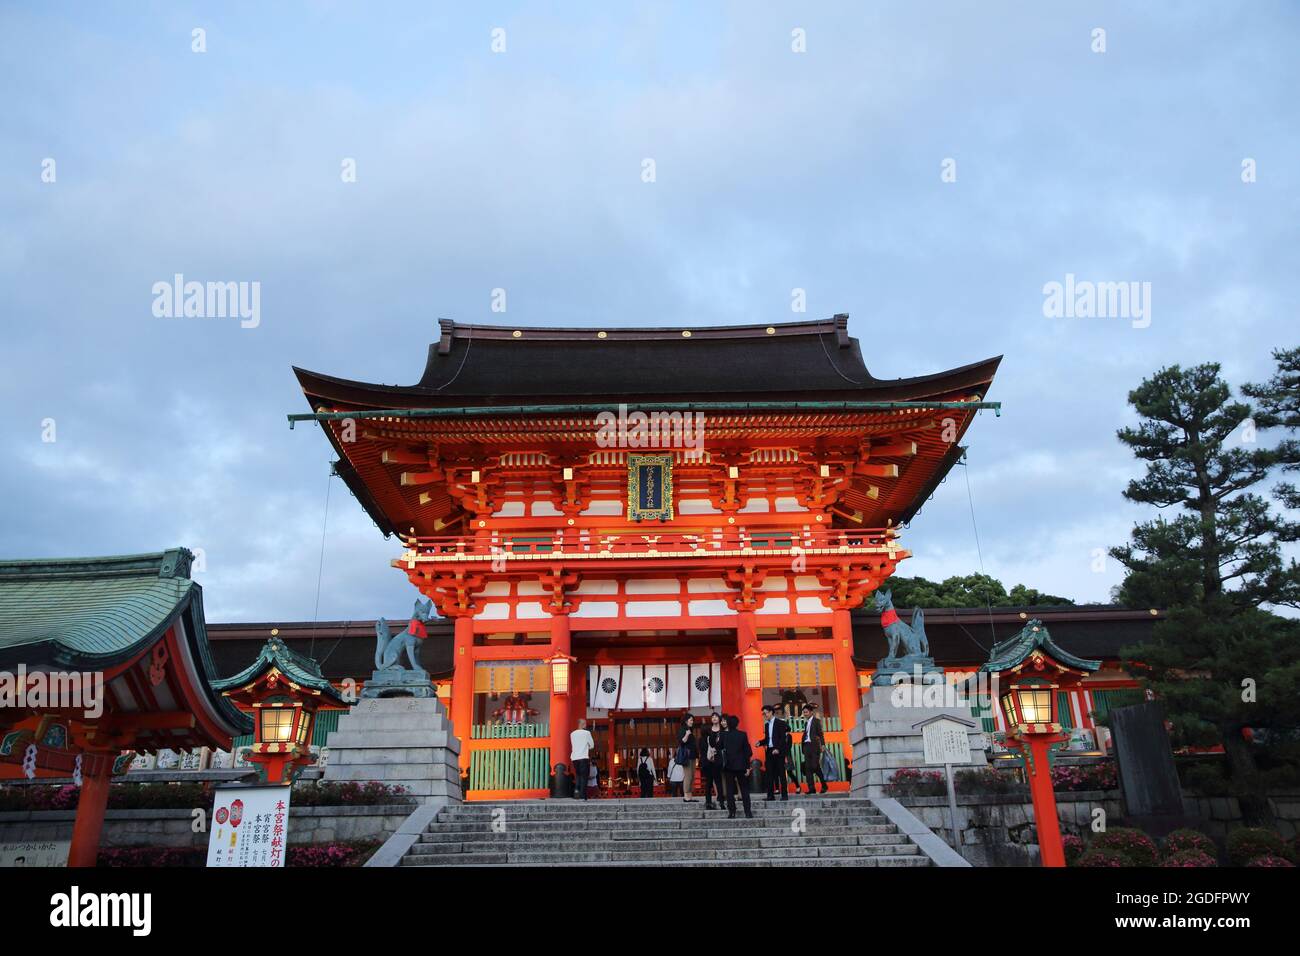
(557, 498)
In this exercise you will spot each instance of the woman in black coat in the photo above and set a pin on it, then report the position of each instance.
(687, 753)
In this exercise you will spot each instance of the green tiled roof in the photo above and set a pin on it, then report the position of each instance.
(297, 667)
(82, 613)
(1007, 654)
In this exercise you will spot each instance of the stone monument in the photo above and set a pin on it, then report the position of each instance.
(907, 691)
(400, 741)
(399, 733)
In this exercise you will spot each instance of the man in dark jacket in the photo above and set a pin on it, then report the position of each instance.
(814, 739)
(776, 740)
(736, 754)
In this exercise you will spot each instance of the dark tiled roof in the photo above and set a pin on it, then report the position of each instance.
(798, 361)
(84, 613)
(1012, 651)
(299, 668)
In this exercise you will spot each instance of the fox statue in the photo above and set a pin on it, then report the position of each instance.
(897, 631)
(389, 647)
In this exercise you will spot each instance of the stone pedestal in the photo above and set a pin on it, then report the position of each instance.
(885, 737)
(400, 741)
(399, 682)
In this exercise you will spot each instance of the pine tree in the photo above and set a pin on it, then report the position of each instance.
(1279, 406)
(1220, 662)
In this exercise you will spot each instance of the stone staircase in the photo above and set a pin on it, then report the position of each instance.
(837, 831)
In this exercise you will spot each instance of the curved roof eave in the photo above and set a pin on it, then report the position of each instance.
(328, 388)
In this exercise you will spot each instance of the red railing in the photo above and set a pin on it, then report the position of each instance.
(595, 543)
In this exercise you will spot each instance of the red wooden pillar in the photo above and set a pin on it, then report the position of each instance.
(462, 685)
(1050, 848)
(733, 686)
(96, 775)
(560, 712)
(751, 704)
(847, 693)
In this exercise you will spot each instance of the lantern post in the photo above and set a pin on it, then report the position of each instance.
(1032, 670)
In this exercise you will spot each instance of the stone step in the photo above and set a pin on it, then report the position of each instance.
(664, 832)
(658, 806)
(739, 822)
(441, 835)
(495, 843)
(543, 854)
(653, 813)
(504, 859)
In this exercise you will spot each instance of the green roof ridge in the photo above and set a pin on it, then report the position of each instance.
(1012, 651)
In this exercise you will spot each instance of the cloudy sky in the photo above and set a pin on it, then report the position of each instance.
(775, 170)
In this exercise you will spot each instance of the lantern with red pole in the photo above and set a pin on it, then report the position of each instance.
(1032, 669)
(284, 691)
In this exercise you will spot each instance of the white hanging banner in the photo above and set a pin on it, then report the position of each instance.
(656, 687)
(715, 686)
(700, 680)
(679, 685)
(629, 697)
(605, 687)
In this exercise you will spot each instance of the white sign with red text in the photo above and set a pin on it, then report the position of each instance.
(249, 826)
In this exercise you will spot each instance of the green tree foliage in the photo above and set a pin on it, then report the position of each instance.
(971, 590)
(1279, 406)
(1221, 662)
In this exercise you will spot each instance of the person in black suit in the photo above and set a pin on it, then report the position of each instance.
(814, 740)
(736, 754)
(776, 739)
(711, 762)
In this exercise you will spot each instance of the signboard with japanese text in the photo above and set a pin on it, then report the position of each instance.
(35, 853)
(249, 826)
(650, 487)
(946, 741)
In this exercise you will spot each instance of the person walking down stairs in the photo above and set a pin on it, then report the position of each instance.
(736, 754)
(776, 741)
(687, 753)
(814, 740)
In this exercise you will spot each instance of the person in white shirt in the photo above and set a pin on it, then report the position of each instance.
(581, 745)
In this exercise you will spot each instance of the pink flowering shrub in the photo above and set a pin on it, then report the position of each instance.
(1073, 847)
(1249, 843)
(1134, 846)
(1270, 860)
(352, 853)
(1187, 839)
(986, 781)
(1095, 858)
(1188, 858)
(1097, 776)
(151, 856)
(39, 798)
(911, 782)
(349, 793)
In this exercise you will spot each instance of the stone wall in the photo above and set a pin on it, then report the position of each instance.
(173, 827)
(999, 830)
